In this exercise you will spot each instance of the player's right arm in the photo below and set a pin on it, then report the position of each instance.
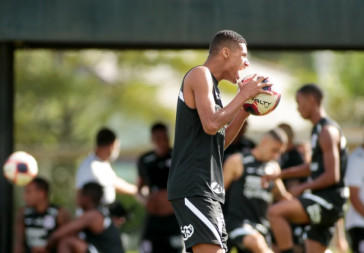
(302, 170)
(355, 199)
(92, 220)
(63, 216)
(232, 169)
(197, 92)
(279, 190)
(19, 232)
(124, 187)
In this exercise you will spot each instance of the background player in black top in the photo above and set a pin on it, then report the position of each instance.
(292, 157)
(161, 232)
(240, 143)
(101, 233)
(248, 201)
(203, 129)
(38, 219)
(323, 206)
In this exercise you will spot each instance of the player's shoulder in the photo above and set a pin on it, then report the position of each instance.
(330, 131)
(198, 73)
(273, 166)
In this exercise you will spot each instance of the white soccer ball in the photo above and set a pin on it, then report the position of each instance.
(20, 168)
(262, 104)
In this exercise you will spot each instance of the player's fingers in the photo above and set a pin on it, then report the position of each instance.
(261, 78)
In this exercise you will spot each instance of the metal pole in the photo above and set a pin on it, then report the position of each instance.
(6, 143)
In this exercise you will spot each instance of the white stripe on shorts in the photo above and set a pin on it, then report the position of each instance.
(204, 220)
(318, 200)
(92, 249)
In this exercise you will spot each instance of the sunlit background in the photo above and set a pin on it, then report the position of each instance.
(64, 97)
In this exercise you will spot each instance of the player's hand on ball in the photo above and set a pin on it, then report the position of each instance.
(253, 85)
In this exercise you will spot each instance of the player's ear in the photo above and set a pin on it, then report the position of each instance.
(225, 52)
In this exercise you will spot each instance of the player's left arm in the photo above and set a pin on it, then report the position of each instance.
(124, 187)
(63, 216)
(71, 228)
(234, 126)
(329, 141)
(279, 190)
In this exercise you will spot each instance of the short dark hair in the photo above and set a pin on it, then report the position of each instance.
(117, 209)
(94, 191)
(158, 127)
(312, 89)
(288, 130)
(105, 136)
(225, 38)
(41, 184)
(279, 135)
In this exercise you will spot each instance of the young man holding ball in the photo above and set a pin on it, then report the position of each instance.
(203, 130)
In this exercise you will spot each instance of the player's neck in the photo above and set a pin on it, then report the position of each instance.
(214, 69)
(318, 115)
(102, 154)
(257, 154)
(41, 207)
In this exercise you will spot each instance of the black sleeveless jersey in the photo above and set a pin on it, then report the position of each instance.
(107, 241)
(247, 200)
(154, 170)
(317, 162)
(38, 226)
(197, 157)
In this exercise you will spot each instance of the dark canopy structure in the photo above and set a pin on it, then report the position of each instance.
(159, 24)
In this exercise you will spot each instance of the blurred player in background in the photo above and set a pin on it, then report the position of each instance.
(293, 157)
(323, 205)
(161, 232)
(95, 222)
(355, 214)
(97, 168)
(248, 201)
(38, 219)
(203, 129)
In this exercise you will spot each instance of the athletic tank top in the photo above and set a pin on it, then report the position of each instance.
(317, 163)
(247, 200)
(155, 169)
(108, 240)
(38, 226)
(196, 168)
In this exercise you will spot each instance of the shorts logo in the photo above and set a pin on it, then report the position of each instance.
(216, 188)
(314, 212)
(187, 232)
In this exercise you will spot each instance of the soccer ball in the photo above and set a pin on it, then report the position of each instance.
(262, 104)
(20, 168)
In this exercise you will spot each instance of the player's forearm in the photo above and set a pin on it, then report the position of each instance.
(323, 181)
(302, 170)
(125, 187)
(357, 204)
(234, 127)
